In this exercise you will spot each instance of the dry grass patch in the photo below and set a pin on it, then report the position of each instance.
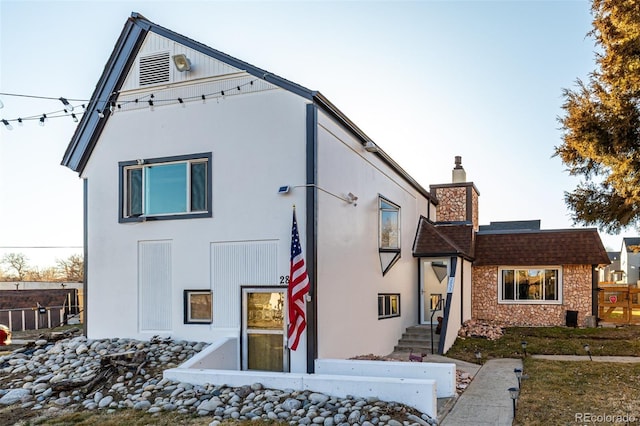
(25, 417)
(557, 391)
(623, 341)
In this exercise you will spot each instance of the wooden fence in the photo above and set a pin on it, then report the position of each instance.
(37, 318)
(619, 304)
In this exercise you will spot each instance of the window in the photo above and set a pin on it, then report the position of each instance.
(165, 188)
(388, 233)
(535, 285)
(197, 307)
(389, 225)
(388, 305)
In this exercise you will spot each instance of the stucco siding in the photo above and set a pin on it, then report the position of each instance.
(257, 142)
(576, 296)
(350, 274)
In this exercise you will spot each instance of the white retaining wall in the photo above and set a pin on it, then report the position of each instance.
(444, 374)
(417, 384)
(417, 393)
(221, 354)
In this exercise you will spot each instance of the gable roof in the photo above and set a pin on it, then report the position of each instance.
(443, 239)
(122, 58)
(547, 247)
(630, 242)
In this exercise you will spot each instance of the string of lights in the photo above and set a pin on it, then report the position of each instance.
(70, 110)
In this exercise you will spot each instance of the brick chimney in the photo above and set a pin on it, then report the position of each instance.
(458, 200)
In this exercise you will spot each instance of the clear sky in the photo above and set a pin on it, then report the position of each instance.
(426, 80)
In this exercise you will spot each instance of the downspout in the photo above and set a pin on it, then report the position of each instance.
(311, 227)
(447, 306)
(595, 292)
(462, 293)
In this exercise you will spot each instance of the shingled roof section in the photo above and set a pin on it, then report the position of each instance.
(443, 239)
(547, 247)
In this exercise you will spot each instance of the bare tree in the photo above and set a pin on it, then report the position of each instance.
(71, 268)
(18, 263)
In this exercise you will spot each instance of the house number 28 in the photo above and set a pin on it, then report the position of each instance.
(284, 279)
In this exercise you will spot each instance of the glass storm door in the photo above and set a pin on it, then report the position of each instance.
(263, 330)
(433, 289)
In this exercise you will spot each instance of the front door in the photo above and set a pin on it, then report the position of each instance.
(263, 329)
(433, 289)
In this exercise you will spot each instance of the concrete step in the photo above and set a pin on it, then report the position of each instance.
(418, 339)
(416, 349)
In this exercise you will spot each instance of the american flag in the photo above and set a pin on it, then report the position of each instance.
(298, 288)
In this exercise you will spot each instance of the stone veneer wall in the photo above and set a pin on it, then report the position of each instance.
(452, 205)
(576, 296)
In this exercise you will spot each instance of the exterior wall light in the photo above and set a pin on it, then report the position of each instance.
(370, 147)
(181, 62)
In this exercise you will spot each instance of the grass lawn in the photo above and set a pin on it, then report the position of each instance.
(568, 392)
(565, 393)
(623, 341)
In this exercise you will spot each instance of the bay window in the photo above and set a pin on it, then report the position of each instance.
(388, 233)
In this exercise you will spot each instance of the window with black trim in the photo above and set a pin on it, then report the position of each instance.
(388, 305)
(388, 233)
(198, 307)
(165, 188)
(530, 285)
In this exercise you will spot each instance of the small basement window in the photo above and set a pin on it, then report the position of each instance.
(388, 305)
(197, 307)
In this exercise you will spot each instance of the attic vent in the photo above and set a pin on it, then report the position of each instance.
(154, 69)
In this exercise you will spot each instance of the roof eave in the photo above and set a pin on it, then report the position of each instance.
(332, 110)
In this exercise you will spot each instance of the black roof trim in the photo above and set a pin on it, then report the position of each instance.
(91, 125)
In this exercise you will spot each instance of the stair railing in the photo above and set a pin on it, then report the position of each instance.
(433, 312)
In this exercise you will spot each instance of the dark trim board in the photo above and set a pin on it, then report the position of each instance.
(85, 241)
(447, 307)
(312, 229)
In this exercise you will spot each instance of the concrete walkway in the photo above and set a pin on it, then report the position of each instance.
(623, 359)
(486, 402)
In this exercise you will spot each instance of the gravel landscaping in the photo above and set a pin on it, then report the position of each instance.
(47, 378)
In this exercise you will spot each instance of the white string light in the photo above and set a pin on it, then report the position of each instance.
(66, 104)
(69, 108)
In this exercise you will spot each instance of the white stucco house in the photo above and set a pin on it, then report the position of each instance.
(630, 260)
(192, 161)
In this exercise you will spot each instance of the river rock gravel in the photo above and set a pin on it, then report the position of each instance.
(114, 374)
